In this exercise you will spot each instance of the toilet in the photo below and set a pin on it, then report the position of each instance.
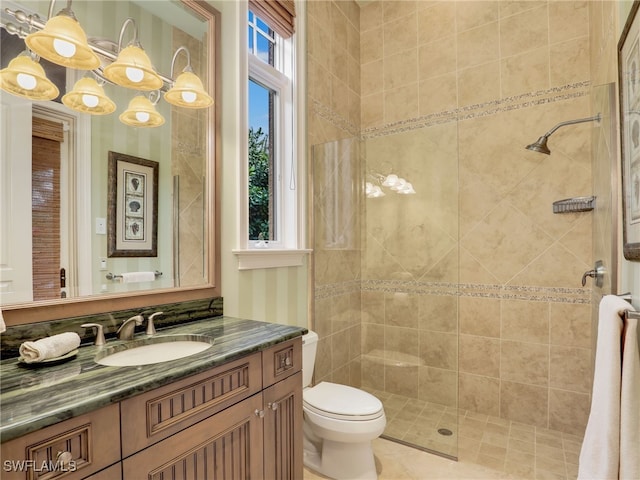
(339, 424)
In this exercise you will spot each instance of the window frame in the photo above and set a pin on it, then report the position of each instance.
(290, 146)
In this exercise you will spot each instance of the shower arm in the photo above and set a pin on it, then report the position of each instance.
(572, 122)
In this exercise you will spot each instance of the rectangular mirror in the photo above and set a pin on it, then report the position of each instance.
(57, 215)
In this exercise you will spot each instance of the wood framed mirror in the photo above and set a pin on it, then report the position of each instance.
(81, 278)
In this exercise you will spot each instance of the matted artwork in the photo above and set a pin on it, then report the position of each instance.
(132, 228)
(629, 81)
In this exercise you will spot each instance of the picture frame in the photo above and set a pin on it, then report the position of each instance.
(132, 206)
(629, 108)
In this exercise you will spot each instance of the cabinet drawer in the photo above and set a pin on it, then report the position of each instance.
(155, 415)
(281, 361)
(88, 443)
(227, 446)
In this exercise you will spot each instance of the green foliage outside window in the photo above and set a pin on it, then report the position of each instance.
(258, 185)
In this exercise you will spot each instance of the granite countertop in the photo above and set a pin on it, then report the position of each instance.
(35, 397)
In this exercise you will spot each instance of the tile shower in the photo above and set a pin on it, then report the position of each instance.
(462, 301)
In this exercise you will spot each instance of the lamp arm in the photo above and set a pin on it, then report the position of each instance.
(128, 21)
(175, 55)
(595, 118)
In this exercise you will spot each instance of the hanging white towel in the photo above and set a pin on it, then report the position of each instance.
(3, 326)
(131, 277)
(600, 453)
(49, 347)
(630, 405)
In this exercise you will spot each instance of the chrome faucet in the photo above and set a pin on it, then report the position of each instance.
(151, 328)
(125, 332)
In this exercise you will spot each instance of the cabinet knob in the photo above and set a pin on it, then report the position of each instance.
(259, 413)
(273, 406)
(64, 458)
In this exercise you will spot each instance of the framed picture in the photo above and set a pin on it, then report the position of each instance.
(629, 81)
(132, 208)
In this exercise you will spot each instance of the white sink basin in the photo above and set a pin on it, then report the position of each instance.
(153, 350)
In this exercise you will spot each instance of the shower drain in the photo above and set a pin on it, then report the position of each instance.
(445, 431)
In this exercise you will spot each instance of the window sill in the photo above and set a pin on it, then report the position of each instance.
(269, 258)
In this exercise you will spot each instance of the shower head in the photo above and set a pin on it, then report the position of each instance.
(540, 145)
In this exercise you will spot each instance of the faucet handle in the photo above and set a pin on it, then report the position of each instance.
(99, 332)
(151, 329)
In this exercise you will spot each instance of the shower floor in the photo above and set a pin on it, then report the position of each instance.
(515, 448)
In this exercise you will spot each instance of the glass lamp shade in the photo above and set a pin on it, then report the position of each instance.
(141, 113)
(25, 77)
(133, 69)
(88, 97)
(63, 41)
(187, 91)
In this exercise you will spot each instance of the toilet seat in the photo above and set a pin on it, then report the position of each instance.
(342, 402)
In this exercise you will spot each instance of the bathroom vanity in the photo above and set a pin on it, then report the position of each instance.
(232, 411)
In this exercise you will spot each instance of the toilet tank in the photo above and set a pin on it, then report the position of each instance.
(309, 347)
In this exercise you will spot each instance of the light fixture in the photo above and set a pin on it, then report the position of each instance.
(88, 96)
(63, 41)
(132, 68)
(373, 191)
(187, 90)
(25, 77)
(141, 113)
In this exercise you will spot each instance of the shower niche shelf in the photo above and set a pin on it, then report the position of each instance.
(575, 204)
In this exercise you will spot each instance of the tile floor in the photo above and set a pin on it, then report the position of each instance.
(486, 446)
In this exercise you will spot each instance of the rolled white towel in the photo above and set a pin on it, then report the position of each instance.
(49, 347)
(131, 277)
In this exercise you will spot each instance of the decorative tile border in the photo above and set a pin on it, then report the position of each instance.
(516, 102)
(501, 292)
(334, 118)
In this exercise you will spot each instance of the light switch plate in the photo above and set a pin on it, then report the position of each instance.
(101, 226)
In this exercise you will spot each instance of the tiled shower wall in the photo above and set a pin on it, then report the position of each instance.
(481, 80)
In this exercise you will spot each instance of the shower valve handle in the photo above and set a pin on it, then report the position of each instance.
(597, 273)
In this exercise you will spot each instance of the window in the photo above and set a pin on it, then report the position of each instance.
(272, 195)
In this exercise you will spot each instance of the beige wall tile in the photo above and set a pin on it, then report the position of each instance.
(525, 321)
(436, 22)
(437, 58)
(400, 69)
(570, 325)
(474, 14)
(438, 94)
(522, 403)
(372, 339)
(401, 310)
(556, 267)
(370, 15)
(479, 394)
(512, 7)
(371, 45)
(479, 84)
(478, 46)
(527, 72)
(372, 373)
(400, 103)
(480, 316)
(439, 349)
(399, 341)
(371, 77)
(438, 313)
(372, 110)
(524, 363)
(401, 380)
(438, 386)
(567, 20)
(392, 11)
(568, 411)
(570, 368)
(479, 355)
(569, 61)
(400, 34)
(524, 31)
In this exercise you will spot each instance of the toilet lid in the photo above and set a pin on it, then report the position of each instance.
(341, 401)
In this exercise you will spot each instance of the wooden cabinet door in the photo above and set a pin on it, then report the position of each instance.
(225, 446)
(283, 429)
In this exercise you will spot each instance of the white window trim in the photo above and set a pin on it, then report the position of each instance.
(289, 252)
